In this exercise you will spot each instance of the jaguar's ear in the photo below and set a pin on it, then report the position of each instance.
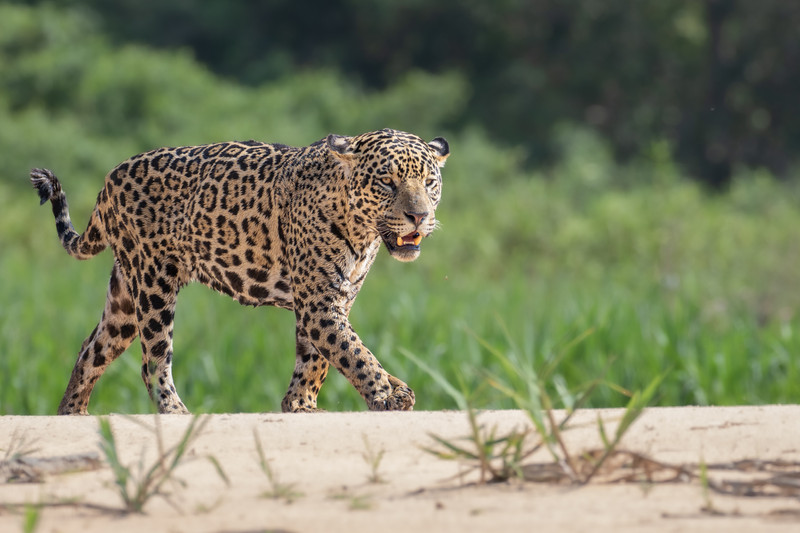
(341, 148)
(441, 149)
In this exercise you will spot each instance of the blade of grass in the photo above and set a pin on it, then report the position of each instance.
(457, 396)
(634, 409)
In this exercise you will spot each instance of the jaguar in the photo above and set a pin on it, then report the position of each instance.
(266, 224)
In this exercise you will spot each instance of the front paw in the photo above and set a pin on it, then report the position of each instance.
(401, 398)
(298, 405)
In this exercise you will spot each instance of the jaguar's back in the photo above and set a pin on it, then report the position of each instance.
(213, 211)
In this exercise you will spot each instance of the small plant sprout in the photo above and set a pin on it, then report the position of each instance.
(361, 502)
(136, 486)
(31, 518)
(277, 490)
(18, 447)
(373, 459)
(705, 487)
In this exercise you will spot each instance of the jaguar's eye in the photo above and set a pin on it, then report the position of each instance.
(387, 183)
(430, 182)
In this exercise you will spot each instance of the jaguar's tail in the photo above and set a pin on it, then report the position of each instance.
(93, 240)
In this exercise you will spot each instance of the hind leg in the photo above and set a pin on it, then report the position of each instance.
(115, 332)
(156, 295)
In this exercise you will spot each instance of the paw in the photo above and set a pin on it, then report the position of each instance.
(299, 405)
(307, 410)
(70, 412)
(173, 408)
(401, 398)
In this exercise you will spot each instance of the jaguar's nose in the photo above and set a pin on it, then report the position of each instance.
(416, 217)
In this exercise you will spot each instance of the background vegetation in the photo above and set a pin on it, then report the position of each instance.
(621, 173)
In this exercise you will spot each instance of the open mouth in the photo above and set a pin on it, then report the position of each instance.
(402, 245)
(412, 239)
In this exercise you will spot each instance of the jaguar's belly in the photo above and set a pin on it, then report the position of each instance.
(249, 284)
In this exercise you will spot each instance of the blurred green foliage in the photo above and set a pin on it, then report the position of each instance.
(664, 274)
(718, 79)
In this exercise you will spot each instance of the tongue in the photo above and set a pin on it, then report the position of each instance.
(413, 238)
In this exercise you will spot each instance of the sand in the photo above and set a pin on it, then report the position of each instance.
(321, 459)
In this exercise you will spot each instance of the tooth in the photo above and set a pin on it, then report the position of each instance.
(399, 241)
(417, 239)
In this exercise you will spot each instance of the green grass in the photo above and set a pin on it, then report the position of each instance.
(664, 275)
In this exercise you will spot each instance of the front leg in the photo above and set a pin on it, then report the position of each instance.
(310, 371)
(330, 332)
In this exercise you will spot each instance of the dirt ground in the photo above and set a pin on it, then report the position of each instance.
(319, 459)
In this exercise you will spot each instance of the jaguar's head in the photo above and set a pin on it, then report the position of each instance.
(395, 184)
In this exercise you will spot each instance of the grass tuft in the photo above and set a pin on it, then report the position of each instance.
(137, 485)
(500, 457)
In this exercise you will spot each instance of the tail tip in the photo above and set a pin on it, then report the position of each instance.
(46, 184)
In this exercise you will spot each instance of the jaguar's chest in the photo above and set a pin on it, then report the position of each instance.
(355, 271)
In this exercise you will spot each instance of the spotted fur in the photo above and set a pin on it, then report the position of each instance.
(266, 224)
